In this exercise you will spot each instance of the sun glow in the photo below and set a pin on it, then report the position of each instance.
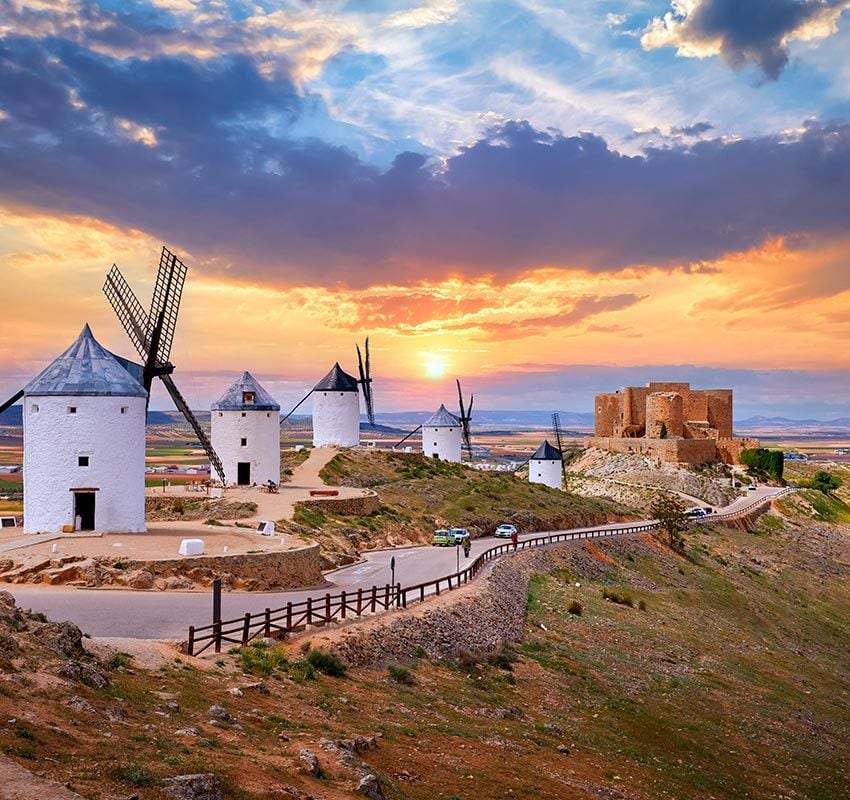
(435, 365)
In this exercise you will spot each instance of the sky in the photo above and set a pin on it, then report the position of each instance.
(544, 199)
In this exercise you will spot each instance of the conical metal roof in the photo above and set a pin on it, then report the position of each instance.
(88, 368)
(442, 419)
(234, 399)
(547, 453)
(337, 380)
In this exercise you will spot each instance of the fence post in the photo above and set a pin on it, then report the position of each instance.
(342, 605)
(359, 601)
(289, 617)
(309, 620)
(387, 597)
(191, 645)
(374, 598)
(217, 635)
(246, 628)
(328, 606)
(268, 630)
(422, 593)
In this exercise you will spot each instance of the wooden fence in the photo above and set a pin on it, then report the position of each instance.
(325, 609)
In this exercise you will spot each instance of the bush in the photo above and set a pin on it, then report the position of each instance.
(825, 482)
(326, 663)
(119, 660)
(504, 658)
(764, 463)
(642, 605)
(259, 659)
(619, 599)
(401, 675)
(133, 775)
(575, 608)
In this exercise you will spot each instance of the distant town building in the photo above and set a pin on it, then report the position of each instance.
(546, 466)
(245, 433)
(442, 435)
(84, 443)
(669, 421)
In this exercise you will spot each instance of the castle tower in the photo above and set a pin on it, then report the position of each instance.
(664, 415)
(441, 436)
(246, 433)
(546, 466)
(336, 410)
(84, 443)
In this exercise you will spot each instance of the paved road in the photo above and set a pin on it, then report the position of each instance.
(167, 615)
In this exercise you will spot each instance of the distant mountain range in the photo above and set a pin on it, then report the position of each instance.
(503, 420)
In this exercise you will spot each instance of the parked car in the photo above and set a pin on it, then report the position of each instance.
(458, 534)
(708, 509)
(505, 531)
(441, 538)
(752, 487)
(695, 513)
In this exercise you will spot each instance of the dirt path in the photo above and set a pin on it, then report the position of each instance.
(17, 783)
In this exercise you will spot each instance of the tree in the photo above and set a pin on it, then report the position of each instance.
(825, 482)
(669, 510)
(764, 464)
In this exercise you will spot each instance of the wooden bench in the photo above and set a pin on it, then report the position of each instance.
(324, 492)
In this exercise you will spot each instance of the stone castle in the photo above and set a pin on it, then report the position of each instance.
(669, 421)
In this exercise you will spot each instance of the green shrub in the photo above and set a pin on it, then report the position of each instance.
(326, 663)
(825, 482)
(259, 659)
(119, 660)
(575, 608)
(619, 599)
(763, 463)
(642, 605)
(401, 675)
(133, 775)
(214, 522)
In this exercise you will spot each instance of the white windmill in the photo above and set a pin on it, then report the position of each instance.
(442, 436)
(336, 404)
(245, 433)
(84, 442)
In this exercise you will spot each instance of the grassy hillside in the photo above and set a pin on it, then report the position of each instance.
(418, 495)
(731, 684)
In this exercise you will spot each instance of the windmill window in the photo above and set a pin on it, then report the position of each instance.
(72, 409)
(248, 398)
(244, 413)
(220, 414)
(268, 413)
(243, 442)
(123, 409)
(435, 444)
(82, 461)
(34, 409)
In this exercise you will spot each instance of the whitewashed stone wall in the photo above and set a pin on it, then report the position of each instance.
(336, 419)
(444, 442)
(261, 431)
(114, 442)
(548, 472)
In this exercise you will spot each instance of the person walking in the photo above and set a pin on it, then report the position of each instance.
(467, 546)
(515, 539)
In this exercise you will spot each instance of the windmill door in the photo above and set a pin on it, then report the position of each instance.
(243, 473)
(84, 509)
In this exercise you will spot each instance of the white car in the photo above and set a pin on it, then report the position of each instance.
(505, 531)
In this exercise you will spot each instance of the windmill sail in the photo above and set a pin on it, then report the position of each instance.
(402, 441)
(559, 438)
(465, 418)
(152, 334)
(366, 381)
(12, 400)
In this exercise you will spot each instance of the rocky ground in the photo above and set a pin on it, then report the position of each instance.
(720, 674)
(633, 479)
(162, 508)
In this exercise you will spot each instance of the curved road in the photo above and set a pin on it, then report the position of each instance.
(167, 615)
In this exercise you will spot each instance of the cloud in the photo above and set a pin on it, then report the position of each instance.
(433, 12)
(201, 154)
(743, 31)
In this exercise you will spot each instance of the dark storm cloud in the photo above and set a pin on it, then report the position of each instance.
(749, 31)
(226, 183)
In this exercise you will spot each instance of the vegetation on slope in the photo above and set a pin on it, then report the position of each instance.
(729, 685)
(418, 495)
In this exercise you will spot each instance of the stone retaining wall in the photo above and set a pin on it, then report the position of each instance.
(353, 506)
(255, 572)
(480, 617)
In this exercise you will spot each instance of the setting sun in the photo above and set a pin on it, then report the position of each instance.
(435, 365)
